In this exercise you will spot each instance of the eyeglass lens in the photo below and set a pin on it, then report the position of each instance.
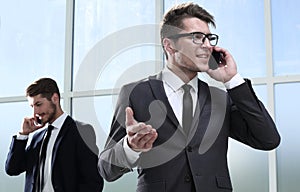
(199, 38)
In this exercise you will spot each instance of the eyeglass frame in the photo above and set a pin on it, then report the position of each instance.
(206, 36)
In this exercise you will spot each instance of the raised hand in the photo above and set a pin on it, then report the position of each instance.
(29, 125)
(140, 137)
(227, 68)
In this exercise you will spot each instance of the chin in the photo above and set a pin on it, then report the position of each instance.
(202, 68)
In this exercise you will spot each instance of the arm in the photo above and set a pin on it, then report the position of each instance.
(19, 158)
(113, 162)
(139, 137)
(250, 121)
(16, 159)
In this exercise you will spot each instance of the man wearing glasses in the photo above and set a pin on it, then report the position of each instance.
(174, 127)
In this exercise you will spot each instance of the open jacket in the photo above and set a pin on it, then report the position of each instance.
(74, 159)
(194, 162)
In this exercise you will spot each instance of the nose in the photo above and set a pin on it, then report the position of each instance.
(206, 43)
(35, 111)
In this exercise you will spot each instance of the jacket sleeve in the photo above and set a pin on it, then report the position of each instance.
(16, 159)
(113, 162)
(251, 123)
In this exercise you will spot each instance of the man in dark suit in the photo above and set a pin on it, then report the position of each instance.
(65, 161)
(177, 137)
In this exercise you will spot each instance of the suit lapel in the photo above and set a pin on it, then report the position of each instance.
(64, 129)
(157, 87)
(203, 93)
(38, 143)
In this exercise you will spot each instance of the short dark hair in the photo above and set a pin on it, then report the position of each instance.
(44, 86)
(172, 21)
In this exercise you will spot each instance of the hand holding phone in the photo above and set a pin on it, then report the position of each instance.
(38, 121)
(215, 59)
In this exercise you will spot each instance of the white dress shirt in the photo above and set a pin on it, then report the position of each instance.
(57, 124)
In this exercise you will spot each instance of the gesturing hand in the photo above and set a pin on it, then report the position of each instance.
(140, 137)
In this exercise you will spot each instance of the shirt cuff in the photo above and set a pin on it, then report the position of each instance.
(234, 81)
(132, 156)
(21, 137)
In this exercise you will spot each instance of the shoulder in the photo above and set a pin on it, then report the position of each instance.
(144, 81)
(139, 86)
(134, 84)
(88, 135)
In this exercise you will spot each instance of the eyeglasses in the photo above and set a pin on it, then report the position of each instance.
(198, 37)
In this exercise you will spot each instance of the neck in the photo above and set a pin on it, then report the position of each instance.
(184, 74)
(58, 113)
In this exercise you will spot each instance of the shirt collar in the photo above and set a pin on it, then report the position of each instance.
(58, 123)
(175, 82)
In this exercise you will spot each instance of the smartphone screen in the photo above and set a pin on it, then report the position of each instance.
(214, 59)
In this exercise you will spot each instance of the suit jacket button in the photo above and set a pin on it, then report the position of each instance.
(189, 149)
(187, 178)
(124, 170)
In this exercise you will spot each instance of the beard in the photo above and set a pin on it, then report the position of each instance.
(52, 113)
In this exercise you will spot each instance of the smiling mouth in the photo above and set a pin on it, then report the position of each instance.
(203, 56)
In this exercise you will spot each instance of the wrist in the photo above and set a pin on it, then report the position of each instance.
(23, 133)
(235, 81)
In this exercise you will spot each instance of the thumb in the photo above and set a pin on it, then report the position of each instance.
(129, 117)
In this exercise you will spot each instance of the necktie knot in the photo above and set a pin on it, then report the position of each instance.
(186, 88)
(50, 128)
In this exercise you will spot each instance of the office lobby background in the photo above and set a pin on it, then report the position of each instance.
(93, 47)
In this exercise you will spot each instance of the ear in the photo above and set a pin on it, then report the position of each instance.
(55, 98)
(169, 46)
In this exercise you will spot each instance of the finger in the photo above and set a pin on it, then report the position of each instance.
(144, 129)
(139, 129)
(143, 141)
(148, 140)
(149, 144)
(129, 117)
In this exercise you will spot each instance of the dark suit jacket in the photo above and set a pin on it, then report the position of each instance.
(74, 162)
(193, 162)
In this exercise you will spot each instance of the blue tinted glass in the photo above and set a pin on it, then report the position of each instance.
(12, 115)
(104, 30)
(32, 36)
(286, 37)
(287, 119)
(240, 155)
(98, 112)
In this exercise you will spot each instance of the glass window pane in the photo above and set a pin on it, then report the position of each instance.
(240, 155)
(287, 119)
(104, 54)
(98, 112)
(32, 43)
(12, 115)
(286, 36)
(240, 30)
(131, 65)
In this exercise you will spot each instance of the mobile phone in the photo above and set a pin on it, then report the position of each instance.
(38, 121)
(215, 59)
